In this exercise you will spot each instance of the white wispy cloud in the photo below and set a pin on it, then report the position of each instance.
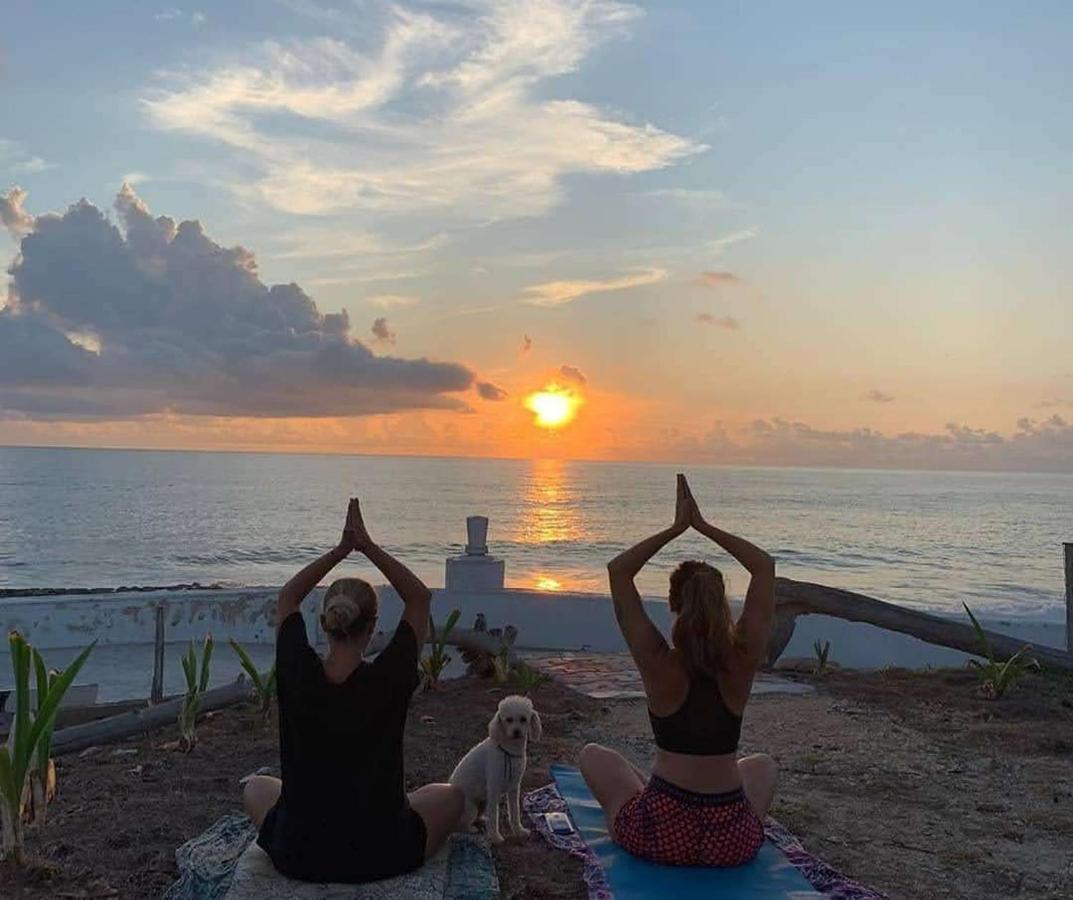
(393, 301)
(449, 111)
(329, 243)
(556, 293)
(17, 161)
(719, 244)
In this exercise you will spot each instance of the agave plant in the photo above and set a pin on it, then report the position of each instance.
(29, 743)
(264, 686)
(529, 679)
(432, 666)
(822, 651)
(195, 686)
(996, 676)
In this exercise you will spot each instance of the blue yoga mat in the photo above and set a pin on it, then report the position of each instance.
(769, 876)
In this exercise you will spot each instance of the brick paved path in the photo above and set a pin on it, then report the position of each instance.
(606, 676)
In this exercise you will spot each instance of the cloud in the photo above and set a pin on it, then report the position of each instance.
(877, 396)
(15, 219)
(1033, 446)
(527, 343)
(719, 244)
(328, 243)
(452, 108)
(556, 293)
(394, 301)
(489, 391)
(573, 373)
(18, 162)
(727, 322)
(692, 196)
(714, 278)
(382, 332)
(181, 325)
(168, 15)
(198, 18)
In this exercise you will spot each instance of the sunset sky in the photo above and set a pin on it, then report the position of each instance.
(773, 232)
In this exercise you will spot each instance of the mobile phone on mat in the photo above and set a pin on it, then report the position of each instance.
(559, 823)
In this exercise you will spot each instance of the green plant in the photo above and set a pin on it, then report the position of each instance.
(529, 679)
(501, 665)
(996, 676)
(264, 686)
(432, 666)
(822, 651)
(30, 739)
(195, 686)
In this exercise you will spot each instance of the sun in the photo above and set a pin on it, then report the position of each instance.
(553, 407)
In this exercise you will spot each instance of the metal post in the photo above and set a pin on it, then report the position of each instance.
(1069, 599)
(157, 692)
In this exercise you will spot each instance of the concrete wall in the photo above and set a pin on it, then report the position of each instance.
(543, 619)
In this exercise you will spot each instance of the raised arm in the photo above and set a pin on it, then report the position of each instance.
(647, 645)
(754, 624)
(416, 598)
(297, 589)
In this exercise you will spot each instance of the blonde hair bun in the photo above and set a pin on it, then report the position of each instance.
(350, 605)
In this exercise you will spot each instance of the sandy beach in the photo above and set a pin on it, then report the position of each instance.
(909, 782)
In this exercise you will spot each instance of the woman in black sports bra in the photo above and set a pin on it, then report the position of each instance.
(702, 805)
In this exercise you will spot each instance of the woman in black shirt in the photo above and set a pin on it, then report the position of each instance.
(341, 812)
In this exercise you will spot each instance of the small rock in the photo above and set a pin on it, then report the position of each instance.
(89, 751)
(125, 751)
(137, 770)
(428, 720)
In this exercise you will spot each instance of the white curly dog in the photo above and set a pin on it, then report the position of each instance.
(494, 768)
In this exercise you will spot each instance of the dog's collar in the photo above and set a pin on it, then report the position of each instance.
(506, 752)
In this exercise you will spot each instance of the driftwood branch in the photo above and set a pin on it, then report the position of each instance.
(794, 598)
(137, 722)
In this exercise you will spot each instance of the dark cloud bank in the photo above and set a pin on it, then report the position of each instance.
(1044, 446)
(182, 325)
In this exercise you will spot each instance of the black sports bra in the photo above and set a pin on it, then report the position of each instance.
(701, 726)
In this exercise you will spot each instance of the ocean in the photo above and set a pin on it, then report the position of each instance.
(73, 518)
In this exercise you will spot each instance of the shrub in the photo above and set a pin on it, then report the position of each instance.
(264, 686)
(529, 679)
(432, 666)
(996, 676)
(30, 741)
(822, 651)
(195, 688)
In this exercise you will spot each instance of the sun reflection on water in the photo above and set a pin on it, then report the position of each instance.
(549, 505)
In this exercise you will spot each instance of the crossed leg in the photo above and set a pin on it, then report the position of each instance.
(612, 779)
(259, 795)
(441, 807)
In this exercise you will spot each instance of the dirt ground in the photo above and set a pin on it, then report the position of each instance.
(909, 782)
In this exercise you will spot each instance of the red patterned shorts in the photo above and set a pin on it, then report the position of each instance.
(670, 825)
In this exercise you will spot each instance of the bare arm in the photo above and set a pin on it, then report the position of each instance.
(646, 642)
(754, 625)
(416, 597)
(297, 589)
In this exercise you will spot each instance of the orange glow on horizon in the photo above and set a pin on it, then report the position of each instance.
(553, 407)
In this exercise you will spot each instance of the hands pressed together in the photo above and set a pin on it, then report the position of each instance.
(686, 512)
(355, 534)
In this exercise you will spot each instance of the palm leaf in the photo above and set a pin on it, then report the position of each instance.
(248, 666)
(206, 656)
(20, 660)
(44, 746)
(981, 636)
(46, 710)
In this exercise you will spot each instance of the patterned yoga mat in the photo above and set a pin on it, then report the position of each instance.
(823, 878)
